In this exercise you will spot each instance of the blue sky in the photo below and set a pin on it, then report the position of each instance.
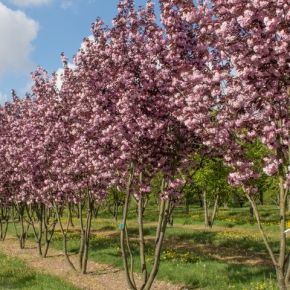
(35, 32)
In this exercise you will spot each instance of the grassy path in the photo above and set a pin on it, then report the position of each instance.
(100, 276)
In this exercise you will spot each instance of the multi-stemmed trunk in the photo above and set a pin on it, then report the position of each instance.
(35, 216)
(64, 232)
(49, 224)
(209, 218)
(165, 211)
(24, 227)
(85, 232)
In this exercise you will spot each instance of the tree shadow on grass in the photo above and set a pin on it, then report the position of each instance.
(202, 237)
(107, 228)
(146, 231)
(214, 238)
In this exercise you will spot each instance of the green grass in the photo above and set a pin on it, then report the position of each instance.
(210, 274)
(251, 243)
(183, 266)
(231, 217)
(182, 262)
(15, 274)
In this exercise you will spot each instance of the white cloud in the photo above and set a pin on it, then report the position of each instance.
(91, 38)
(26, 3)
(65, 4)
(17, 31)
(59, 74)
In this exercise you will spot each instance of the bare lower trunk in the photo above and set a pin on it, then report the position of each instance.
(23, 232)
(23, 228)
(49, 228)
(281, 279)
(4, 221)
(38, 231)
(86, 236)
(164, 216)
(70, 216)
(165, 212)
(209, 218)
(141, 241)
(214, 211)
(82, 239)
(281, 269)
(3, 229)
(205, 209)
(64, 236)
(187, 207)
(124, 236)
(281, 263)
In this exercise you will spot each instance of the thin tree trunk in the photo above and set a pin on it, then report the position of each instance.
(4, 229)
(23, 231)
(282, 253)
(214, 212)
(278, 264)
(261, 229)
(87, 234)
(141, 241)
(82, 241)
(37, 232)
(48, 229)
(186, 207)
(124, 233)
(200, 198)
(70, 216)
(64, 235)
(4, 223)
(165, 213)
(205, 209)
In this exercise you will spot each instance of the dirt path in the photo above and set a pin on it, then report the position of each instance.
(100, 276)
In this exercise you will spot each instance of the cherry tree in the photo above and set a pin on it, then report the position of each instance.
(254, 38)
(141, 99)
(122, 71)
(244, 82)
(12, 177)
(92, 150)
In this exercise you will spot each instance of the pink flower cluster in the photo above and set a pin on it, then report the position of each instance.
(253, 38)
(231, 78)
(213, 77)
(113, 110)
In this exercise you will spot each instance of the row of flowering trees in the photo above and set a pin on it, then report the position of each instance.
(140, 100)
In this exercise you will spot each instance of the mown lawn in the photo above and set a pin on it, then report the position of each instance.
(193, 256)
(189, 255)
